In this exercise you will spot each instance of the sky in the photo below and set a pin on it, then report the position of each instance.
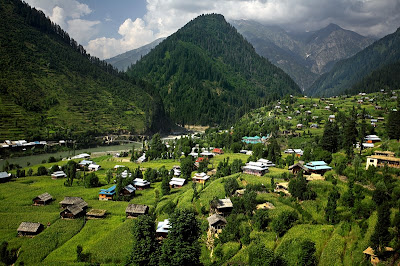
(107, 28)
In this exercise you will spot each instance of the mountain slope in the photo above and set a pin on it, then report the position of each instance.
(303, 55)
(125, 60)
(349, 72)
(50, 87)
(208, 74)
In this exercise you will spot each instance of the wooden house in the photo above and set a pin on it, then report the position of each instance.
(29, 229)
(69, 201)
(72, 212)
(134, 210)
(382, 160)
(216, 223)
(318, 167)
(177, 182)
(58, 174)
(42, 199)
(141, 184)
(223, 207)
(163, 229)
(296, 168)
(96, 214)
(107, 194)
(128, 191)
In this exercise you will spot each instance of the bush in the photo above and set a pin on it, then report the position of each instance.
(284, 222)
(41, 171)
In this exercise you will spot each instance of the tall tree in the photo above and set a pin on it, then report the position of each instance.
(330, 137)
(145, 246)
(182, 246)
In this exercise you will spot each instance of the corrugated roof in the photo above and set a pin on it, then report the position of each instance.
(3, 175)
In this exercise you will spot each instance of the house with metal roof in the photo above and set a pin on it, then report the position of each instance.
(254, 140)
(4, 176)
(163, 229)
(107, 194)
(85, 163)
(29, 229)
(177, 182)
(380, 159)
(372, 138)
(141, 184)
(42, 199)
(94, 167)
(200, 178)
(318, 167)
(255, 168)
(58, 174)
(128, 191)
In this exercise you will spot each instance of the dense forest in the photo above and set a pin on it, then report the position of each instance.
(51, 88)
(207, 73)
(351, 71)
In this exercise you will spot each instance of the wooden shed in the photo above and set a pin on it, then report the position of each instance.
(42, 199)
(72, 212)
(29, 229)
(134, 210)
(69, 201)
(216, 223)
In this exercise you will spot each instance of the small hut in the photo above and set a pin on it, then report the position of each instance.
(223, 207)
(72, 212)
(69, 201)
(96, 214)
(29, 229)
(163, 229)
(216, 223)
(134, 210)
(42, 199)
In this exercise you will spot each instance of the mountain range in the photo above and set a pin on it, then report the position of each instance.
(354, 70)
(303, 55)
(207, 73)
(51, 88)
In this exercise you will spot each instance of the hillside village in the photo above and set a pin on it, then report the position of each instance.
(313, 179)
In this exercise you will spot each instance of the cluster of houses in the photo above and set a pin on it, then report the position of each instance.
(21, 144)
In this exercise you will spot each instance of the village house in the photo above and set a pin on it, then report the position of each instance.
(240, 192)
(125, 174)
(94, 214)
(4, 177)
(372, 139)
(377, 107)
(134, 210)
(107, 194)
(81, 156)
(177, 170)
(200, 178)
(69, 201)
(29, 229)
(207, 154)
(42, 199)
(118, 166)
(255, 168)
(94, 167)
(331, 118)
(298, 167)
(254, 140)
(218, 151)
(282, 187)
(299, 126)
(142, 158)
(141, 184)
(72, 212)
(381, 159)
(84, 163)
(318, 167)
(314, 126)
(163, 229)
(216, 223)
(177, 182)
(128, 191)
(223, 207)
(296, 152)
(58, 174)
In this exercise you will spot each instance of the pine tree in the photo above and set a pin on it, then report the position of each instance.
(145, 246)
(165, 189)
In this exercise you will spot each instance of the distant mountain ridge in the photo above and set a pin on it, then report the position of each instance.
(125, 60)
(349, 72)
(207, 73)
(50, 88)
(304, 56)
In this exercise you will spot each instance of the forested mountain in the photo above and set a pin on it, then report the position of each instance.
(125, 60)
(303, 55)
(51, 88)
(207, 73)
(351, 71)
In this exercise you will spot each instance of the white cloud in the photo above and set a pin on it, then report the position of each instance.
(164, 17)
(68, 14)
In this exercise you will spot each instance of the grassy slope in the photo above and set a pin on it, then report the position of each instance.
(70, 93)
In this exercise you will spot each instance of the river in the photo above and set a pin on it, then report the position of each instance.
(98, 151)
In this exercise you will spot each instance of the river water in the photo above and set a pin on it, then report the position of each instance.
(98, 151)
